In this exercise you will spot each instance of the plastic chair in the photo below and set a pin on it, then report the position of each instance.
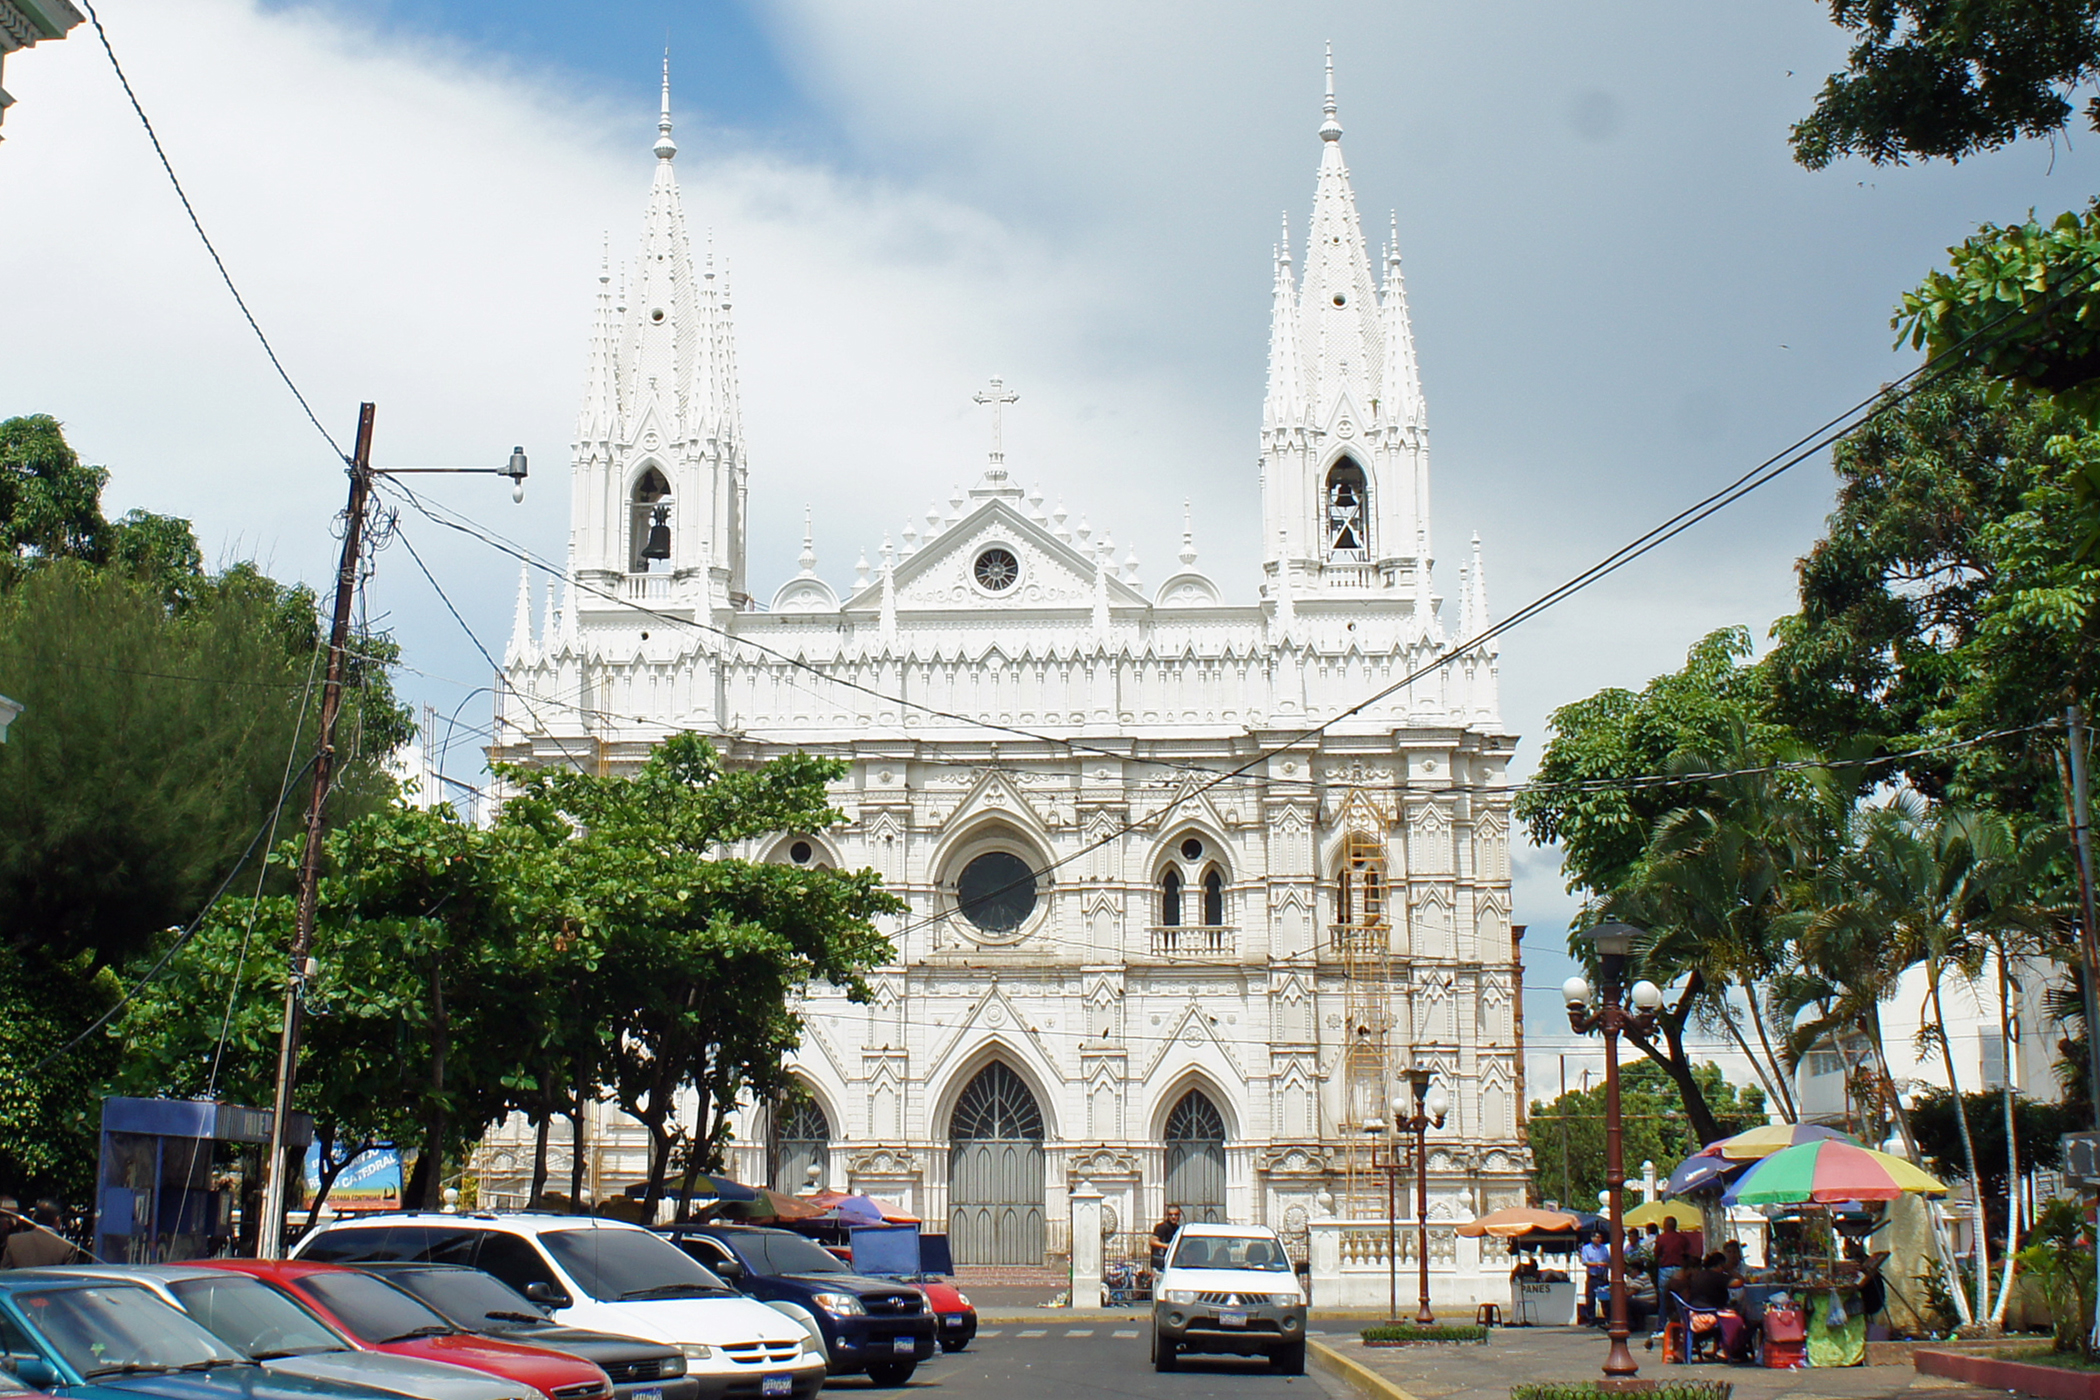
(1487, 1315)
(1700, 1343)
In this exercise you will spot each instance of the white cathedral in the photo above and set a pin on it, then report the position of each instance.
(1117, 968)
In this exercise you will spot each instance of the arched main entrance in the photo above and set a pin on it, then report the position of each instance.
(995, 1172)
(801, 1138)
(1196, 1158)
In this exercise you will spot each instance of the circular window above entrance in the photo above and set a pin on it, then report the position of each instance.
(996, 892)
(996, 569)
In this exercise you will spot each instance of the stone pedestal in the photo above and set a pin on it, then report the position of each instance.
(1086, 1245)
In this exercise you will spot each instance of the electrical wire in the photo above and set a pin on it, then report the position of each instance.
(198, 224)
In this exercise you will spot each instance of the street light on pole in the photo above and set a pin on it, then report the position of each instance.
(1430, 1107)
(1613, 942)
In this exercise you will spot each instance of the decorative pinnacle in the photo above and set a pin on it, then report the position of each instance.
(1331, 129)
(808, 559)
(1188, 536)
(665, 146)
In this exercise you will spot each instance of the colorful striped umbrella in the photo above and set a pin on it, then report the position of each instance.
(1830, 1171)
(1768, 1138)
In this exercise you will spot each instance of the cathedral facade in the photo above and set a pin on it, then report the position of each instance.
(1194, 871)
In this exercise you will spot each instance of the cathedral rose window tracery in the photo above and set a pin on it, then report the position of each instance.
(996, 892)
(996, 570)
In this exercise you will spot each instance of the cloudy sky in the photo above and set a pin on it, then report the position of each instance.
(1625, 294)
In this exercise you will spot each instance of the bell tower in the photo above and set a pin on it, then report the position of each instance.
(658, 474)
(1344, 440)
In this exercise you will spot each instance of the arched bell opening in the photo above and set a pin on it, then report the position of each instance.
(649, 523)
(1348, 505)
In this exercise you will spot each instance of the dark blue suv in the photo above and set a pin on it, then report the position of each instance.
(870, 1325)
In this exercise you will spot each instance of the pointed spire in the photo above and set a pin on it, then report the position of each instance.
(570, 631)
(550, 622)
(1339, 334)
(860, 572)
(1330, 129)
(520, 646)
(1480, 619)
(1188, 536)
(808, 557)
(1286, 402)
(1400, 395)
(601, 395)
(666, 147)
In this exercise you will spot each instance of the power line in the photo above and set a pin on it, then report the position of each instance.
(198, 224)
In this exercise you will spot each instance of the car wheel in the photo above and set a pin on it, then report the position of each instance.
(1288, 1360)
(1162, 1353)
(957, 1345)
(891, 1372)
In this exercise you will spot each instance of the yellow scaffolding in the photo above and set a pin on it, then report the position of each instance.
(1363, 940)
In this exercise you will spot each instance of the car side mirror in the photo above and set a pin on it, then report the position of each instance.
(730, 1270)
(33, 1371)
(547, 1295)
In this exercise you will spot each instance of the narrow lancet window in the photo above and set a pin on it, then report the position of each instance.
(1170, 899)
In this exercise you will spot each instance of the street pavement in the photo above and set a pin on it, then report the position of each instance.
(1040, 1359)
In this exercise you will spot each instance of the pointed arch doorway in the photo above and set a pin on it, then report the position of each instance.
(995, 1171)
(1195, 1139)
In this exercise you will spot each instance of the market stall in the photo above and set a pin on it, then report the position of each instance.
(1538, 1296)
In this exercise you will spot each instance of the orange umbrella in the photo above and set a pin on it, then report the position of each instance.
(1519, 1220)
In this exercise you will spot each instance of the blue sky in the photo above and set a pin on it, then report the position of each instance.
(1624, 291)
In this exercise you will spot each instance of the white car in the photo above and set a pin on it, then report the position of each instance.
(607, 1276)
(1229, 1289)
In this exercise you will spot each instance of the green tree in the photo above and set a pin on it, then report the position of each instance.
(708, 952)
(1939, 79)
(1567, 1134)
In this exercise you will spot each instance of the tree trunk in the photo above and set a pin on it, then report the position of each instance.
(1678, 1065)
(1789, 1110)
(437, 1122)
(1910, 1147)
(576, 1136)
(1968, 1144)
(539, 1152)
(330, 1170)
(2012, 1141)
(696, 1148)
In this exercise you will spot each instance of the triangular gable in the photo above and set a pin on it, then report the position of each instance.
(938, 577)
(1013, 1027)
(1206, 1042)
(1189, 801)
(994, 791)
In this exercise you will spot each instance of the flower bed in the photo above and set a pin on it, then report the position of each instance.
(1647, 1390)
(1403, 1335)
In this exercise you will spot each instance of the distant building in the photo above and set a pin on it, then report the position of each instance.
(23, 23)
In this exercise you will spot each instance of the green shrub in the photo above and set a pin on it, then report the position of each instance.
(1390, 1333)
(1600, 1390)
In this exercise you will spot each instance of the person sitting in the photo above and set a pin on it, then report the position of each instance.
(1701, 1290)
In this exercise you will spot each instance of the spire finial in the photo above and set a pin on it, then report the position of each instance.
(809, 544)
(998, 396)
(665, 146)
(1330, 129)
(1188, 536)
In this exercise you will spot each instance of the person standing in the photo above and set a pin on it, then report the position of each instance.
(1596, 1265)
(1163, 1235)
(41, 1246)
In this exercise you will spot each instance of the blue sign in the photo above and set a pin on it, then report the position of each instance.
(373, 1175)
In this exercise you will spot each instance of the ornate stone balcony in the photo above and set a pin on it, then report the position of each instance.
(1195, 941)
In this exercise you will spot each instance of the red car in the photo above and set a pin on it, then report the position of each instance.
(380, 1317)
(955, 1321)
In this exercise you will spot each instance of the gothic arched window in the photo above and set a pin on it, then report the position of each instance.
(1170, 898)
(1348, 502)
(649, 522)
(801, 1140)
(1213, 898)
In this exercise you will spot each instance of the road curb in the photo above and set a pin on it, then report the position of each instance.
(1352, 1373)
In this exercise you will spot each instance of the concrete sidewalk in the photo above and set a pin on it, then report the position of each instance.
(1515, 1355)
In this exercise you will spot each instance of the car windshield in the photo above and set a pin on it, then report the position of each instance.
(1258, 1253)
(116, 1330)
(771, 1253)
(374, 1311)
(628, 1265)
(469, 1297)
(254, 1318)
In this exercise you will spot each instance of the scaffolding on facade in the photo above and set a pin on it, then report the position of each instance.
(1363, 943)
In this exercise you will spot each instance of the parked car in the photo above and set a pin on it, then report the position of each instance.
(380, 1317)
(481, 1302)
(1230, 1289)
(608, 1276)
(268, 1325)
(99, 1339)
(954, 1318)
(869, 1326)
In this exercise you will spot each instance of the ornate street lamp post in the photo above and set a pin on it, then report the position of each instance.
(1613, 942)
(1429, 1109)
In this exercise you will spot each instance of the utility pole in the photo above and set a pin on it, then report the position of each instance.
(269, 1234)
(2082, 837)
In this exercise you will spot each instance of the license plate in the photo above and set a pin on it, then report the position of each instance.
(951, 1322)
(777, 1385)
(1232, 1319)
(654, 1392)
